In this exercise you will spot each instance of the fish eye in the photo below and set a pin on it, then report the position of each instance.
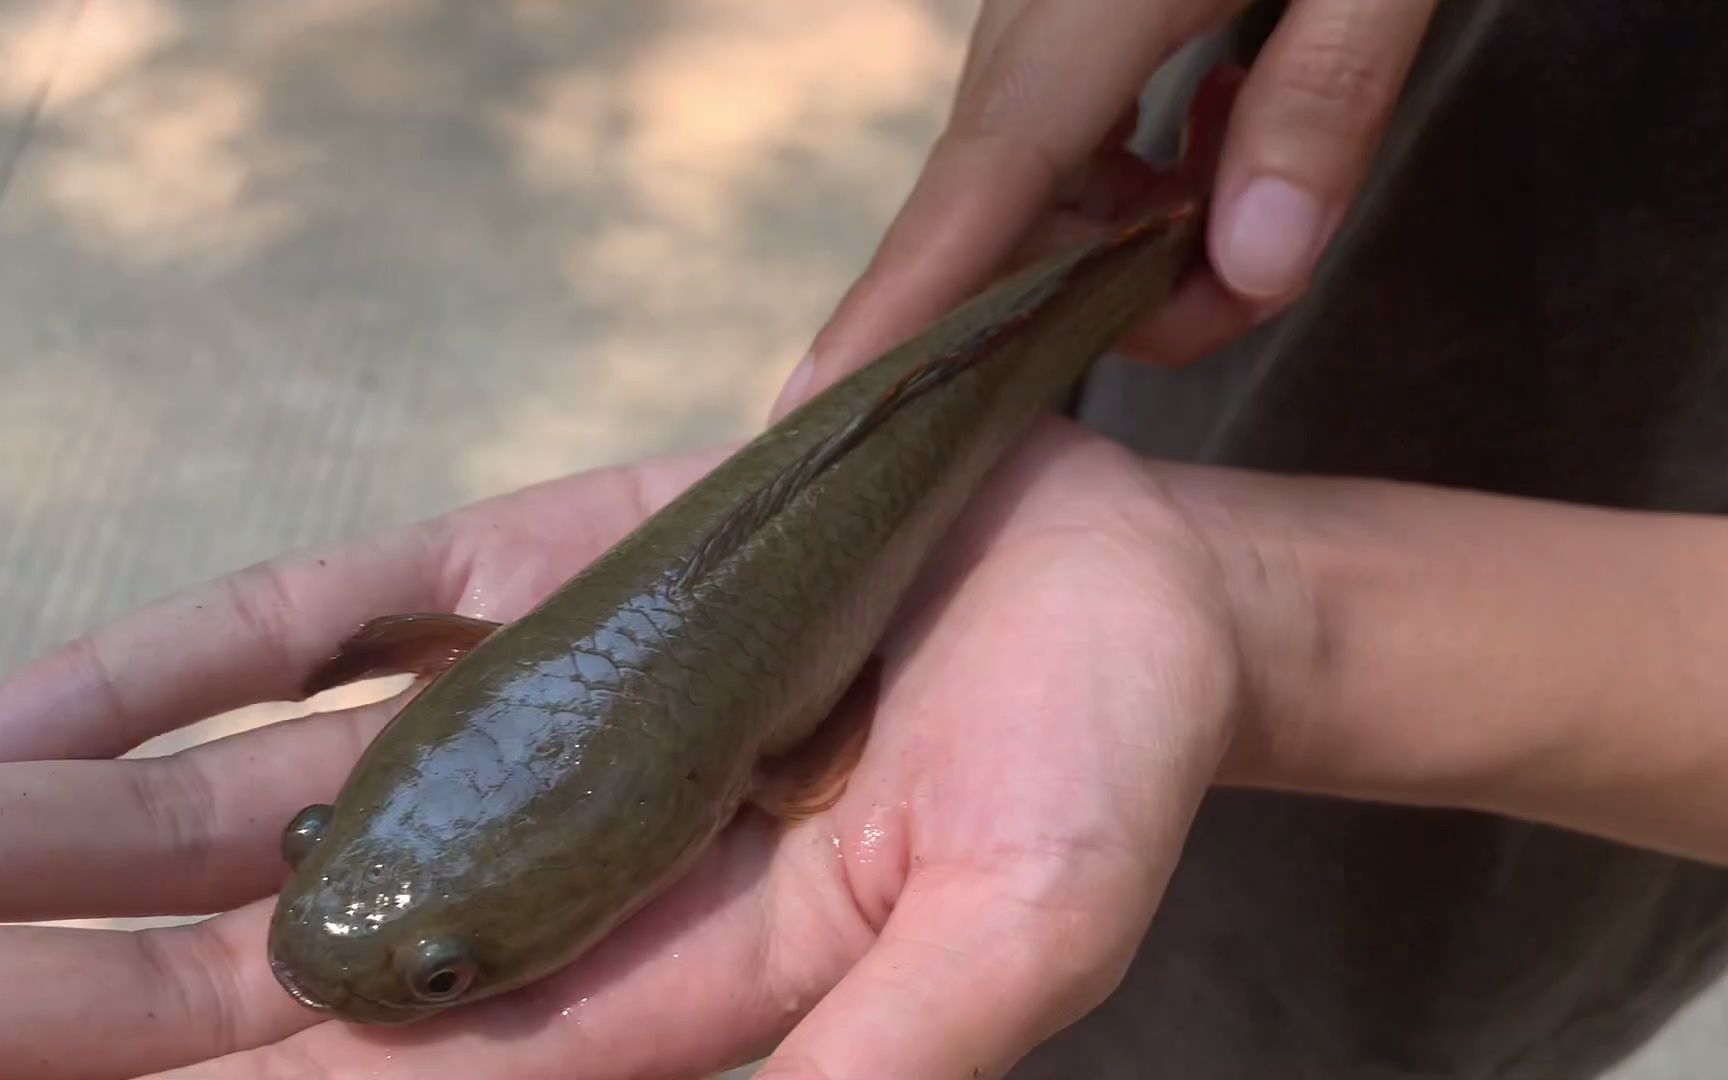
(303, 832)
(436, 969)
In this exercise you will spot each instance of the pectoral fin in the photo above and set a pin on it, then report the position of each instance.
(810, 779)
(424, 644)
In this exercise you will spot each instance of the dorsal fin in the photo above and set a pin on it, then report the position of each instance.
(753, 511)
(1190, 181)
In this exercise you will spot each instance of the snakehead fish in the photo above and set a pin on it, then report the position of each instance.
(561, 771)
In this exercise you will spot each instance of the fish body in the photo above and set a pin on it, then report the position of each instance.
(569, 767)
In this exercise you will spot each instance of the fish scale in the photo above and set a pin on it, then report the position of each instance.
(752, 602)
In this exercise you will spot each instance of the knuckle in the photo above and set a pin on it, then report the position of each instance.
(1333, 82)
(1080, 966)
(1062, 941)
(176, 800)
(1009, 153)
(265, 608)
(194, 974)
(86, 655)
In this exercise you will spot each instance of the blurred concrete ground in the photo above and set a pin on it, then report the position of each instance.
(274, 274)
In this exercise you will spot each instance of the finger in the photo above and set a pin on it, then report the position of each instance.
(189, 834)
(1199, 319)
(170, 997)
(1305, 128)
(1202, 315)
(253, 636)
(735, 953)
(198, 831)
(245, 638)
(966, 979)
(1054, 80)
(97, 1004)
(994, 17)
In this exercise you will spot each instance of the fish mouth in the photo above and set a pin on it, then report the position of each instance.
(384, 1014)
(352, 1006)
(285, 977)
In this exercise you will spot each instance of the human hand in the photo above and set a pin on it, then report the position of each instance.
(1032, 160)
(1052, 707)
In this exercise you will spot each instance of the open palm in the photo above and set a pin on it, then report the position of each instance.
(1053, 703)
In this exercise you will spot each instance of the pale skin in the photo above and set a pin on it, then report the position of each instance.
(1031, 160)
(1102, 639)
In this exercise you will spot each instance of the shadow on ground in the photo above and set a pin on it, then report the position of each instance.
(276, 274)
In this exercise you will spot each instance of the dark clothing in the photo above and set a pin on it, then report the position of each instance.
(1531, 298)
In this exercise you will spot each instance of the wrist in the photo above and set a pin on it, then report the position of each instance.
(1270, 555)
(1366, 630)
(1437, 647)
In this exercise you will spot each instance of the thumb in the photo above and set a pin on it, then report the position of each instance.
(978, 966)
(1303, 133)
(1045, 84)
(967, 977)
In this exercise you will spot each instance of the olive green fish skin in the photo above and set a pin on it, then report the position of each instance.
(577, 761)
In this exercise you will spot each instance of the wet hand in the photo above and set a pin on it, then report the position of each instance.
(1052, 707)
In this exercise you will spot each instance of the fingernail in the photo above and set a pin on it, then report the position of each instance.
(799, 381)
(1267, 241)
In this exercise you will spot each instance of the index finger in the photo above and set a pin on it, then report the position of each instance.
(231, 642)
(1043, 87)
(253, 636)
(735, 952)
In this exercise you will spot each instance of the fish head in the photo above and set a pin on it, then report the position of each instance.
(371, 934)
(447, 871)
(382, 923)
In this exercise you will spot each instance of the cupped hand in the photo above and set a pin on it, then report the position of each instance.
(1052, 706)
(1032, 158)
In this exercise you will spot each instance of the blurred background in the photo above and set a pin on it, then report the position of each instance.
(274, 274)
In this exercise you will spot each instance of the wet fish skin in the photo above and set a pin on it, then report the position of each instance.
(574, 763)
